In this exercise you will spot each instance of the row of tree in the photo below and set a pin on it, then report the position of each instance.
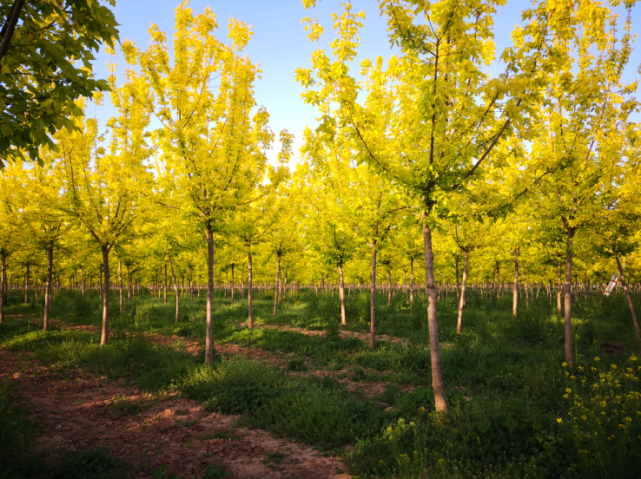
(423, 157)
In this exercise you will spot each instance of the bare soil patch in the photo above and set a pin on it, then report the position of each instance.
(79, 410)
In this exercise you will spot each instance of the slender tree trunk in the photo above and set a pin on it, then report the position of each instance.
(26, 286)
(626, 289)
(173, 275)
(372, 324)
(191, 283)
(412, 287)
(559, 308)
(209, 341)
(277, 286)
(458, 284)
(249, 291)
(130, 286)
(389, 288)
(435, 347)
(164, 301)
(104, 338)
(232, 284)
(515, 290)
(527, 293)
(82, 280)
(122, 299)
(461, 302)
(48, 286)
(341, 292)
(2, 285)
(569, 355)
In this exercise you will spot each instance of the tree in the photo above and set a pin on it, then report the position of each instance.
(40, 78)
(103, 187)
(213, 149)
(577, 136)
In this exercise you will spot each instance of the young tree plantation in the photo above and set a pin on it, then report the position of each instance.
(439, 276)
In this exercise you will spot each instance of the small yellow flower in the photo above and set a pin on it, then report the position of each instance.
(564, 365)
(633, 358)
(568, 390)
(597, 359)
(559, 420)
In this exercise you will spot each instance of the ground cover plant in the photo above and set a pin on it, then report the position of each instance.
(517, 409)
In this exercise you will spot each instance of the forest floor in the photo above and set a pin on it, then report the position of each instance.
(298, 396)
(79, 410)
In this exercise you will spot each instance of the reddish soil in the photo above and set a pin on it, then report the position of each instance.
(343, 334)
(78, 410)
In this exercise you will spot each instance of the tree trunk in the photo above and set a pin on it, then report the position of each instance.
(48, 286)
(277, 285)
(458, 284)
(515, 290)
(626, 289)
(435, 347)
(559, 307)
(461, 302)
(173, 275)
(191, 283)
(250, 317)
(130, 286)
(372, 323)
(569, 355)
(164, 301)
(389, 288)
(2, 284)
(412, 287)
(122, 303)
(104, 338)
(82, 279)
(232, 284)
(341, 292)
(209, 342)
(26, 286)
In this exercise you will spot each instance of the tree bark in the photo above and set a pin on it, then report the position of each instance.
(515, 290)
(559, 307)
(130, 286)
(232, 284)
(626, 289)
(164, 301)
(569, 355)
(10, 26)
(82, 280)
(276, 287)
(209, 342)
(412, 287)
(104, 338)
(2, 285)
(26, 286)
(341, 293)
(250, 313)
(461, 303)
(122, 299)
(435, 348)
(389, 288)
(173, 275)
(372, 323)
(48, 286)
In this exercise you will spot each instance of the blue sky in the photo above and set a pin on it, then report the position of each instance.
(279, 44)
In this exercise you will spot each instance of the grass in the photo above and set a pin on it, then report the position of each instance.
(505, 384)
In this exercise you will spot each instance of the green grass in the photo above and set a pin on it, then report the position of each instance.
(504, 379)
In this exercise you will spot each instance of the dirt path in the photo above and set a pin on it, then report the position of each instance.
(342, 333)
(85, 410)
